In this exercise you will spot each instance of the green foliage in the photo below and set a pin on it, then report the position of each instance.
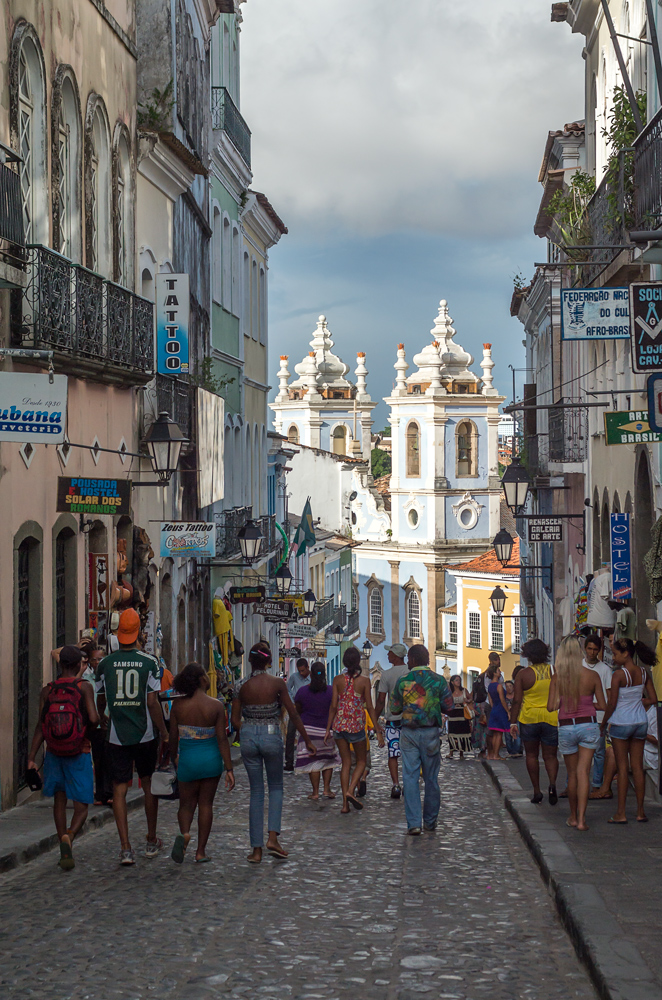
(380, 463)
(386, 433)
(205, 378)
(620, 134)
(519, 282)
(568, 207)
(154, 114)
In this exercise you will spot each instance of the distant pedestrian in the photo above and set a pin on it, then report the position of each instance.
(103, 785)
(593, 661)
(631, 694)
(537, 725)
(66, 713)
(513, 743)
(313, 702)
(200, 749)
(396, 655)
(459, 719)
(482, 706)
(572, 691)
(297, 680)
(422, 696)
(256, 711)
(128, 683)
(498, 723)
(351, 698)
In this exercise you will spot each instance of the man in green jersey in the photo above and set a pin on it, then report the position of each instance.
(128, 683)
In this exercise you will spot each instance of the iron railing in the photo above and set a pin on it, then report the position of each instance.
(11, 214)
(352, 622)
(568, 430)
(94, 323)
(228, 525)
(647, 208)
(174, 396)
(340, 615)
(324, 613)
(267, 525)
(606, 212)
(225, 115)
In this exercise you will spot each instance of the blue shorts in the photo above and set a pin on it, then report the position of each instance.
(392, 737)
(539, 732)
(350, 737)
(634, 731)
(71, 775)
(583, 734)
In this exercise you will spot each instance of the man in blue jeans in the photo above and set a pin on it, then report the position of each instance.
(421, 696)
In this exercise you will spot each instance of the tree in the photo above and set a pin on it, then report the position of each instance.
(380, 462)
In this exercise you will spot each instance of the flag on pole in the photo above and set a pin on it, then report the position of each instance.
(305, 533)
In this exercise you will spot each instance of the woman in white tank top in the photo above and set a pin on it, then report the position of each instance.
(630, 695)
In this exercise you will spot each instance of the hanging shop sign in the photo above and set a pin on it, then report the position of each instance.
(654, 386)
(621, 561)
(545, 529)
(296, 600)
(629, 427)
(646, 326)
(172, 322)
(187, 538)
(276, 611)
(595, 313)
(98, 586)
(210, 415)
(301, 631)
(291, 651)
(32, 408)
(246, 595)
(93, 496)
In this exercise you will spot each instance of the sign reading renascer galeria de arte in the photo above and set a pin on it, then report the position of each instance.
(93, 496)
(32, 408)
(188, 538)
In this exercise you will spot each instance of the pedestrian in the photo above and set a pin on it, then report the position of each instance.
(593, 661)
(127, 684)
(297, 680)
(459, 719)
(513, 743)
(631, 694)
(66, 714)
(313, 702)
(199, 747)
(351, 698)
(538, 727)
(395, 655)
(256, 711)
(498, 723)
(572, 691)
(422, 696)
(482, 707)
(103, 785)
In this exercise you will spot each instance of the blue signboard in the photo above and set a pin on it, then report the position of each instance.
(595, 313)
(655, 402)
(187, 538)
(172, 321)
(621, 561)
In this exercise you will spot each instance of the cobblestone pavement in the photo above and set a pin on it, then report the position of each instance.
(360, 910)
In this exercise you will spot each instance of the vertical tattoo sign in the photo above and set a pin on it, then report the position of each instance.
(172, 323)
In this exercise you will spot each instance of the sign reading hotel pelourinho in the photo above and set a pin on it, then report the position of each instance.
(621, 563)
(172, 322)
(629, 427)
(32, 408)
(93, 496)
(646, 326)
(187, 538)
(595, 313)
(276, 611)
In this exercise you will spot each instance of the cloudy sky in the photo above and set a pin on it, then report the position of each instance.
(400, 143)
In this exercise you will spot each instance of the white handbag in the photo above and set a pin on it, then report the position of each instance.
(164, 784)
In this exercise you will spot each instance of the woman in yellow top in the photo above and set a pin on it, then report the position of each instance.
(537, 726)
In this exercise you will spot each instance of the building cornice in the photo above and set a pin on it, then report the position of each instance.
(115, 27)
(255, 215)
(162, 167)
(254, 384)
(229, 359)
(231, 167)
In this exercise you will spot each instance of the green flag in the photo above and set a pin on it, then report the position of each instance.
(305, 533)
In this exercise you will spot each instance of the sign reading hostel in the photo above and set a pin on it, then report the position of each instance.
(545, 529)
(93, 496)
(629, 427)
(621, 563)
(32, 408)
(172, 321)
(187, 538)
(595, 313)
(646, 326)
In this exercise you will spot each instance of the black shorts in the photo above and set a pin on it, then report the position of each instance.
(122, 758)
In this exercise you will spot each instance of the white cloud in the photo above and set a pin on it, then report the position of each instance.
(376, 116)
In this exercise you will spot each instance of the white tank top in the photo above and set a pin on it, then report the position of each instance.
(629, 709)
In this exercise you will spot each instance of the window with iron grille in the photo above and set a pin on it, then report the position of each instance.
(376, 611)
(496, 633)
(413, 615)
(516, 633)
(452, 632)
(474, 629)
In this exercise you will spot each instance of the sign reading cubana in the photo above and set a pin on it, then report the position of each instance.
(172, 322)
(595, 313)
(93, 496)
(32, 408)
(188, 538)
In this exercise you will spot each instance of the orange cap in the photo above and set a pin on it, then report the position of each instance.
(129, 626)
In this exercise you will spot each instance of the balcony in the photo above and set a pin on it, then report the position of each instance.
(174, 395)
(12, 242)
(225, 116)
(352, 623)
(648, 175)
(228, 525)
(568, 431)
(324, 613)
(606, 211)
(95, 328)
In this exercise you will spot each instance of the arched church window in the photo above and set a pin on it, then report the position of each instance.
(339, 443)
(376, 611)
(413, 442)
(413, 615)
(293, 434)
(465, 448)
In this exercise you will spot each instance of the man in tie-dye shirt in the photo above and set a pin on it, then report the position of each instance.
(421, 696)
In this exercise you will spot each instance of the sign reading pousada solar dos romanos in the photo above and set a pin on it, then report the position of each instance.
(93, 496)
(595, 313)
(646, 326)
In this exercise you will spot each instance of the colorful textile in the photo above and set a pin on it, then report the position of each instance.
(421, 696)
(327, 756)
(350, 717)
(392, 737)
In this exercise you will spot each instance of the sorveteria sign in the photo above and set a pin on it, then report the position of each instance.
(93, 496)
(32, 408)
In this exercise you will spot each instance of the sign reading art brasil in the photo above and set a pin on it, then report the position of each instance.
(595, 313)
(93, 496)
(629, 427)
(188, 538)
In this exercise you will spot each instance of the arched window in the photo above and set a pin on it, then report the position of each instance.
(246, 281)
(376, 611)
(217, 254)
(263, 306)
(66, 168)
(293, 434)
(413, 453)
(227, 263)
(123, 210)
(31, 137)
(254, 300)
(236, 264)
(413, 615)
(339, 441)
(98, 189)
(465, 448)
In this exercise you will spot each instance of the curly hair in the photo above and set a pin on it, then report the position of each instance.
(189, 679)
(259, 657)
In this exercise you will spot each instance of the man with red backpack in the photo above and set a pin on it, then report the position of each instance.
(66, 714)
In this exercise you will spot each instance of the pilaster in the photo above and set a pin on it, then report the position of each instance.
(395, 600)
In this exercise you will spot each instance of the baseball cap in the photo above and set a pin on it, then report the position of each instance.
(399, 649)
(129, 626)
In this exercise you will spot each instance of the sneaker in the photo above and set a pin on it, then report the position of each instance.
(289, 768)
(152, 849)
(414, 831)
(396, 792)
(430, 828)
(127, 857)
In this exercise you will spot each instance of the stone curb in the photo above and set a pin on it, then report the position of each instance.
(615, 965)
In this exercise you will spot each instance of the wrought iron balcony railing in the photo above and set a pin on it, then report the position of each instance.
(174, 396)
(568, 431)
(227, 527)
(225, 116)
(11, 215)
(352, 623)
(324, 613)
(94, 326)
(648, 175)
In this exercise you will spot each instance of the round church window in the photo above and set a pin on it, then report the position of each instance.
(413, 518)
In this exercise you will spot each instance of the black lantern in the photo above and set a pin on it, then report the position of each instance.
(284, 579)
(309, 602)
(498, 599)
(503, 546)
(250, 541)
(164, 442)
(338, 634)
(367, 649)
(516, 486)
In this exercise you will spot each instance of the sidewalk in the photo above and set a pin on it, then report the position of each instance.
(607, 883)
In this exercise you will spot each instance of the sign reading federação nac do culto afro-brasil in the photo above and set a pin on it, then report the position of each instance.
(646, 326)
(595, 313)
(93, 496)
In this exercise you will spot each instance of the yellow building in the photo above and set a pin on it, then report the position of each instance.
(478, 631)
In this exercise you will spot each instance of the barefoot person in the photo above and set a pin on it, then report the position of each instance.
(572, 691)
(200, 748)
(256, 712)
(312, 702)
(537, 725)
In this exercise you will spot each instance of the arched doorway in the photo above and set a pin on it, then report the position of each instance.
(339, 442)
(65, 588)
(643, 523)
(27, 640)
(181, 630)
(192, 645)
(165, 607)
(596, 532)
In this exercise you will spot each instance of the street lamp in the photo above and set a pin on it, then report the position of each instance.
(284, 579)
(503, 546)
(498, 599)
(367, 649)
(309, 602)
(164, 442)
(250, 540)
(338, 634)
(516, 486)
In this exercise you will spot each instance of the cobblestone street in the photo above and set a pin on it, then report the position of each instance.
(359, 909)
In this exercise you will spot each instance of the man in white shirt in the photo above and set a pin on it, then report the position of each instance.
(396, 657)
(593, 660)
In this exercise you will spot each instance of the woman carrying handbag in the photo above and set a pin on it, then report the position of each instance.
(459, 719)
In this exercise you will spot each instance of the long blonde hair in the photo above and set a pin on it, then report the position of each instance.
(568, 668)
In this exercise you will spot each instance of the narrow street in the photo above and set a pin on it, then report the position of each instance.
(359, 910)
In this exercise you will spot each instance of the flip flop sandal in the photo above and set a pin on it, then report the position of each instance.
(179, 849)
(278, 853)
(203, 861)
(354, 802)
(254, 861)
(617, 822)
(66, 861)
(642, 819)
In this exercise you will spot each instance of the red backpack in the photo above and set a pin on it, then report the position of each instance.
(64, 718)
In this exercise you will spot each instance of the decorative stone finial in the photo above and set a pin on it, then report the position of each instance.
(361, 373)
(401, 367)
(283, 376)
(487, 364)
(434, 365)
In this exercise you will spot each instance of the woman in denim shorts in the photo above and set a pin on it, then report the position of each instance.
(630, 695)
(575, 691)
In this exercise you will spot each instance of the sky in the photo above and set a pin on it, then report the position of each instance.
(400, 143)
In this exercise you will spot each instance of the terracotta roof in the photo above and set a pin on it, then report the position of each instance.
(452, 610)
(383, 486)
(271, 211)
(507, 518)
(488, 563)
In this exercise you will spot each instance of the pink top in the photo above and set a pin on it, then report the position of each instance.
(584, 707)
(350, 717)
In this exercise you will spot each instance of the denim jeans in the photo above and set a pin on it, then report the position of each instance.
(599, 764)
(513, 744)
(259, 749)
(420, 750)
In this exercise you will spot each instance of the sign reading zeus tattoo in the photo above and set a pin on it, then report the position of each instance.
(172, 322)
(646, 326)
(545, 529)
